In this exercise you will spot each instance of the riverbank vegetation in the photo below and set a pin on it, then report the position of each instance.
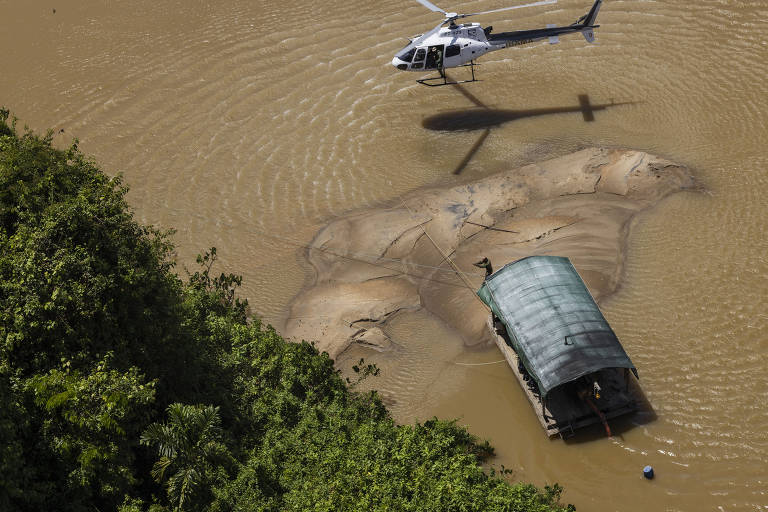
(126, 387)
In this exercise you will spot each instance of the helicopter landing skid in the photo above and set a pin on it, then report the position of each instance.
(444, 77)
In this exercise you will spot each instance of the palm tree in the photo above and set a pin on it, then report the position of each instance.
(188, 444)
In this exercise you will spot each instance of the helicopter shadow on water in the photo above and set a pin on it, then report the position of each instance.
(485, 118)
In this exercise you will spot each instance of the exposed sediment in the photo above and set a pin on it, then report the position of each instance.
(370, 265)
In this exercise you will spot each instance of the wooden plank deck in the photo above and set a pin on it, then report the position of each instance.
(564, 413)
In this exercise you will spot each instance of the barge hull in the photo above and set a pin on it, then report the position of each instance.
(562, 414)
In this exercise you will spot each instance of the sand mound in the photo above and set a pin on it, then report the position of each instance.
(370, 265)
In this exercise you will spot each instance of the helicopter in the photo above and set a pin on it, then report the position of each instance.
(459, 45)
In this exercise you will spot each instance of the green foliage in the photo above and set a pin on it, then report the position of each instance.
(4, 128)
(91, 422)
(103, 348)
(220, 290)
(190, 448)
(16, 475)
(78, 277)
(362, 372)
(314, 445)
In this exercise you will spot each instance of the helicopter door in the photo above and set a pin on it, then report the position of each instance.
(418, 59)
(452, 56)
(434, 57)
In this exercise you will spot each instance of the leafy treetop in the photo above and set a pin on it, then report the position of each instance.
(123, 387)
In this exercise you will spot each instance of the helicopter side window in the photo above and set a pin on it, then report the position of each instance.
(420, 53)
(452, 50)
(407, 56)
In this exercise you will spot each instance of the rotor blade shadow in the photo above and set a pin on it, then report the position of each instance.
(479, 142)
(463, 90)
(471, 153)
(484, 118)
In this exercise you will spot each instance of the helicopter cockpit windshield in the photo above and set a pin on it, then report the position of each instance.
(406, 55)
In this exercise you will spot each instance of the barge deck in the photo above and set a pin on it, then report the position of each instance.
(562, 413)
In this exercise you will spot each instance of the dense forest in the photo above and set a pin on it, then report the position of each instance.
(128, 384)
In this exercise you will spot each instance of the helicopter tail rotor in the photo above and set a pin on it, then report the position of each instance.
(591, 16)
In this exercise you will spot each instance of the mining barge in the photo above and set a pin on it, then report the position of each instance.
(566, 357)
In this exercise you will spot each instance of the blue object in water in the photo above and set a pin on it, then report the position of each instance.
(648, 472)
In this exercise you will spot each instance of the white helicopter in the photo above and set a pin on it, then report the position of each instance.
(459, 45)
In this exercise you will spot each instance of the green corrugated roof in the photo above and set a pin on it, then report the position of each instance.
(552, 320)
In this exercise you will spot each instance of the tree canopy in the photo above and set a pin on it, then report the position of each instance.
(125, 387)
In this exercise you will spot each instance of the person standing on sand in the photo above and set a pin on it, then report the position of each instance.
(486, 264)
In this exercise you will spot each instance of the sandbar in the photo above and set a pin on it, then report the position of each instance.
(418, 253)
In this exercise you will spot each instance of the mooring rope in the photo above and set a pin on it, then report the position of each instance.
(359, 257)
(482, 364)
(447, 258)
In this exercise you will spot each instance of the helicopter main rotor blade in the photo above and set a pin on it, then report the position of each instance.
(429, 5)
(542, 2)
(427, 34)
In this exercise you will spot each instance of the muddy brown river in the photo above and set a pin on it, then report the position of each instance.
(247, 125)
